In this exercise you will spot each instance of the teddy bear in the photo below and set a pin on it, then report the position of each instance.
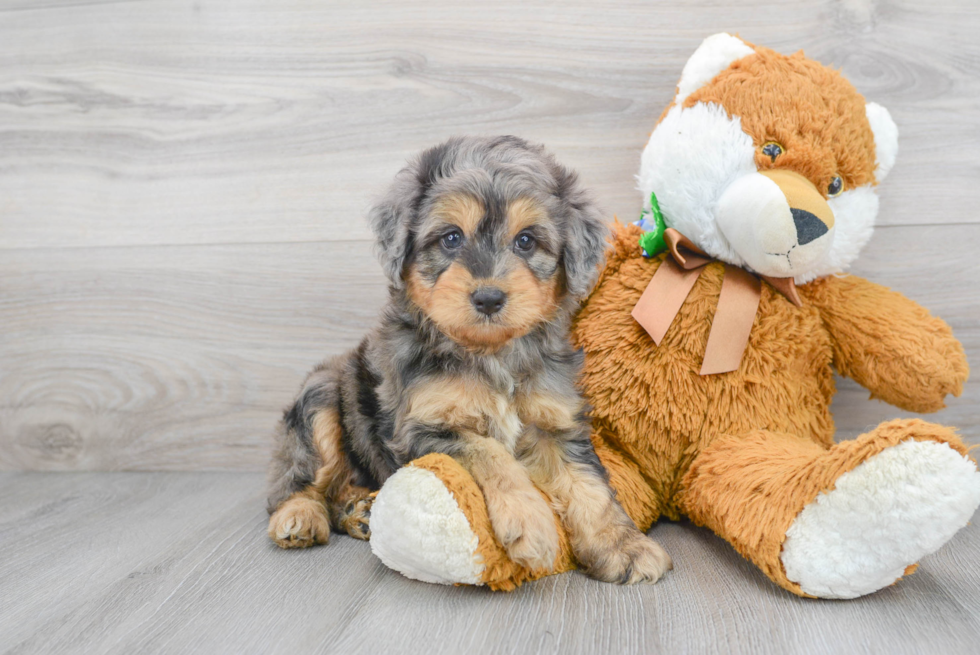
(711, 340)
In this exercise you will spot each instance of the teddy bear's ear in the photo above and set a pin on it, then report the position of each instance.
(715, 54)
(886, 138)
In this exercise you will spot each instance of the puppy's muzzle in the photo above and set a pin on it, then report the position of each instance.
(488, 300)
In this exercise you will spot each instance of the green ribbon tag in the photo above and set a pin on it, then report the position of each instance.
(652, 241)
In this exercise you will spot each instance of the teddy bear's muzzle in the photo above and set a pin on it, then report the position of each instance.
(777, 221)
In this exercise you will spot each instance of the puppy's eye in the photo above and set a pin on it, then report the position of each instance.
(835, 187)
(771, 149)
(452, 239)
(524, 242)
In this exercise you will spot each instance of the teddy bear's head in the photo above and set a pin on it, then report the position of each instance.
(769, 162)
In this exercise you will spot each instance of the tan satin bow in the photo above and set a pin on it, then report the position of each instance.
(738, 302)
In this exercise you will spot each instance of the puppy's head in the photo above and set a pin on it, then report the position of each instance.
(488, 237)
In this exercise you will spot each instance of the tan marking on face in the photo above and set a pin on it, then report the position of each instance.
(522, 214)
(460, 209)
(447, 303)
(549, 412)
(465, 405)
(530, 301)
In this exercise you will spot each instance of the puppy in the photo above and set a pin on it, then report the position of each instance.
(488, 244)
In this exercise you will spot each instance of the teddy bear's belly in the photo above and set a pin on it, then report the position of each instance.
(656, 407)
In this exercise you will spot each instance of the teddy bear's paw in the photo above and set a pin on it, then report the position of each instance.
(419, 530)
(299, 523)
(639, 560)
(525, 526)
(880, 518)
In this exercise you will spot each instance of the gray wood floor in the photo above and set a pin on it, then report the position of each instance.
(180, 563)
(182, 196)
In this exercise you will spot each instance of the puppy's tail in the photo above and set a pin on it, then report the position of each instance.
(308, 455)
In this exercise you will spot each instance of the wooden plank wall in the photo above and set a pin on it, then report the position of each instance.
(183, 184)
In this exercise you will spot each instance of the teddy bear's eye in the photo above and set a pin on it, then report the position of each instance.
(771, 149)
(835, 187)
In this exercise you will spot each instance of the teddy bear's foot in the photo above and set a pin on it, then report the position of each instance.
(880, 518)
(419, 530)
(430, 522)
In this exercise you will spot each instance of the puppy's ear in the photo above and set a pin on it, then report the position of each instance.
(395, 217)
(585, 234)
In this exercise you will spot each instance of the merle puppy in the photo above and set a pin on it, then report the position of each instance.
(489, 244)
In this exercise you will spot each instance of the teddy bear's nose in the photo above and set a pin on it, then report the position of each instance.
(808, 226)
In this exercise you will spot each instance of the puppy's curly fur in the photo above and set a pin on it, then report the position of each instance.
(489, 244)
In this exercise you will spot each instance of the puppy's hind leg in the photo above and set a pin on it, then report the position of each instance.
(351, 511)
(309, 465)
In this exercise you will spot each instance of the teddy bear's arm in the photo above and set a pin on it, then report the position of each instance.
(889, 344)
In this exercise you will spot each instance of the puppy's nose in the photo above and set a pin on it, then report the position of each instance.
(488, 300)
(808, 226)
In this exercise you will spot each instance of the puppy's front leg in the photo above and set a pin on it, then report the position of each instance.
(521, 518)
(604, 539)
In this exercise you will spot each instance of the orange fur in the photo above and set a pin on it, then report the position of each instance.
(750, 488)
(634, 385)
(743, 452)
(889, 344)
(810, 110)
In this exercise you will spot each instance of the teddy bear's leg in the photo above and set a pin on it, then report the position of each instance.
(839, 522)
(429, 522)
(642, 502)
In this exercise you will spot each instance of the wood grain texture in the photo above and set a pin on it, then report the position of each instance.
(180, 563)
(182, 186)
(182, 357)
(154, 122)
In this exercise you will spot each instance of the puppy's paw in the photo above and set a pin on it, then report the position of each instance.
(299, 523)
(355, 518)
(525, 526)
(638, 560)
